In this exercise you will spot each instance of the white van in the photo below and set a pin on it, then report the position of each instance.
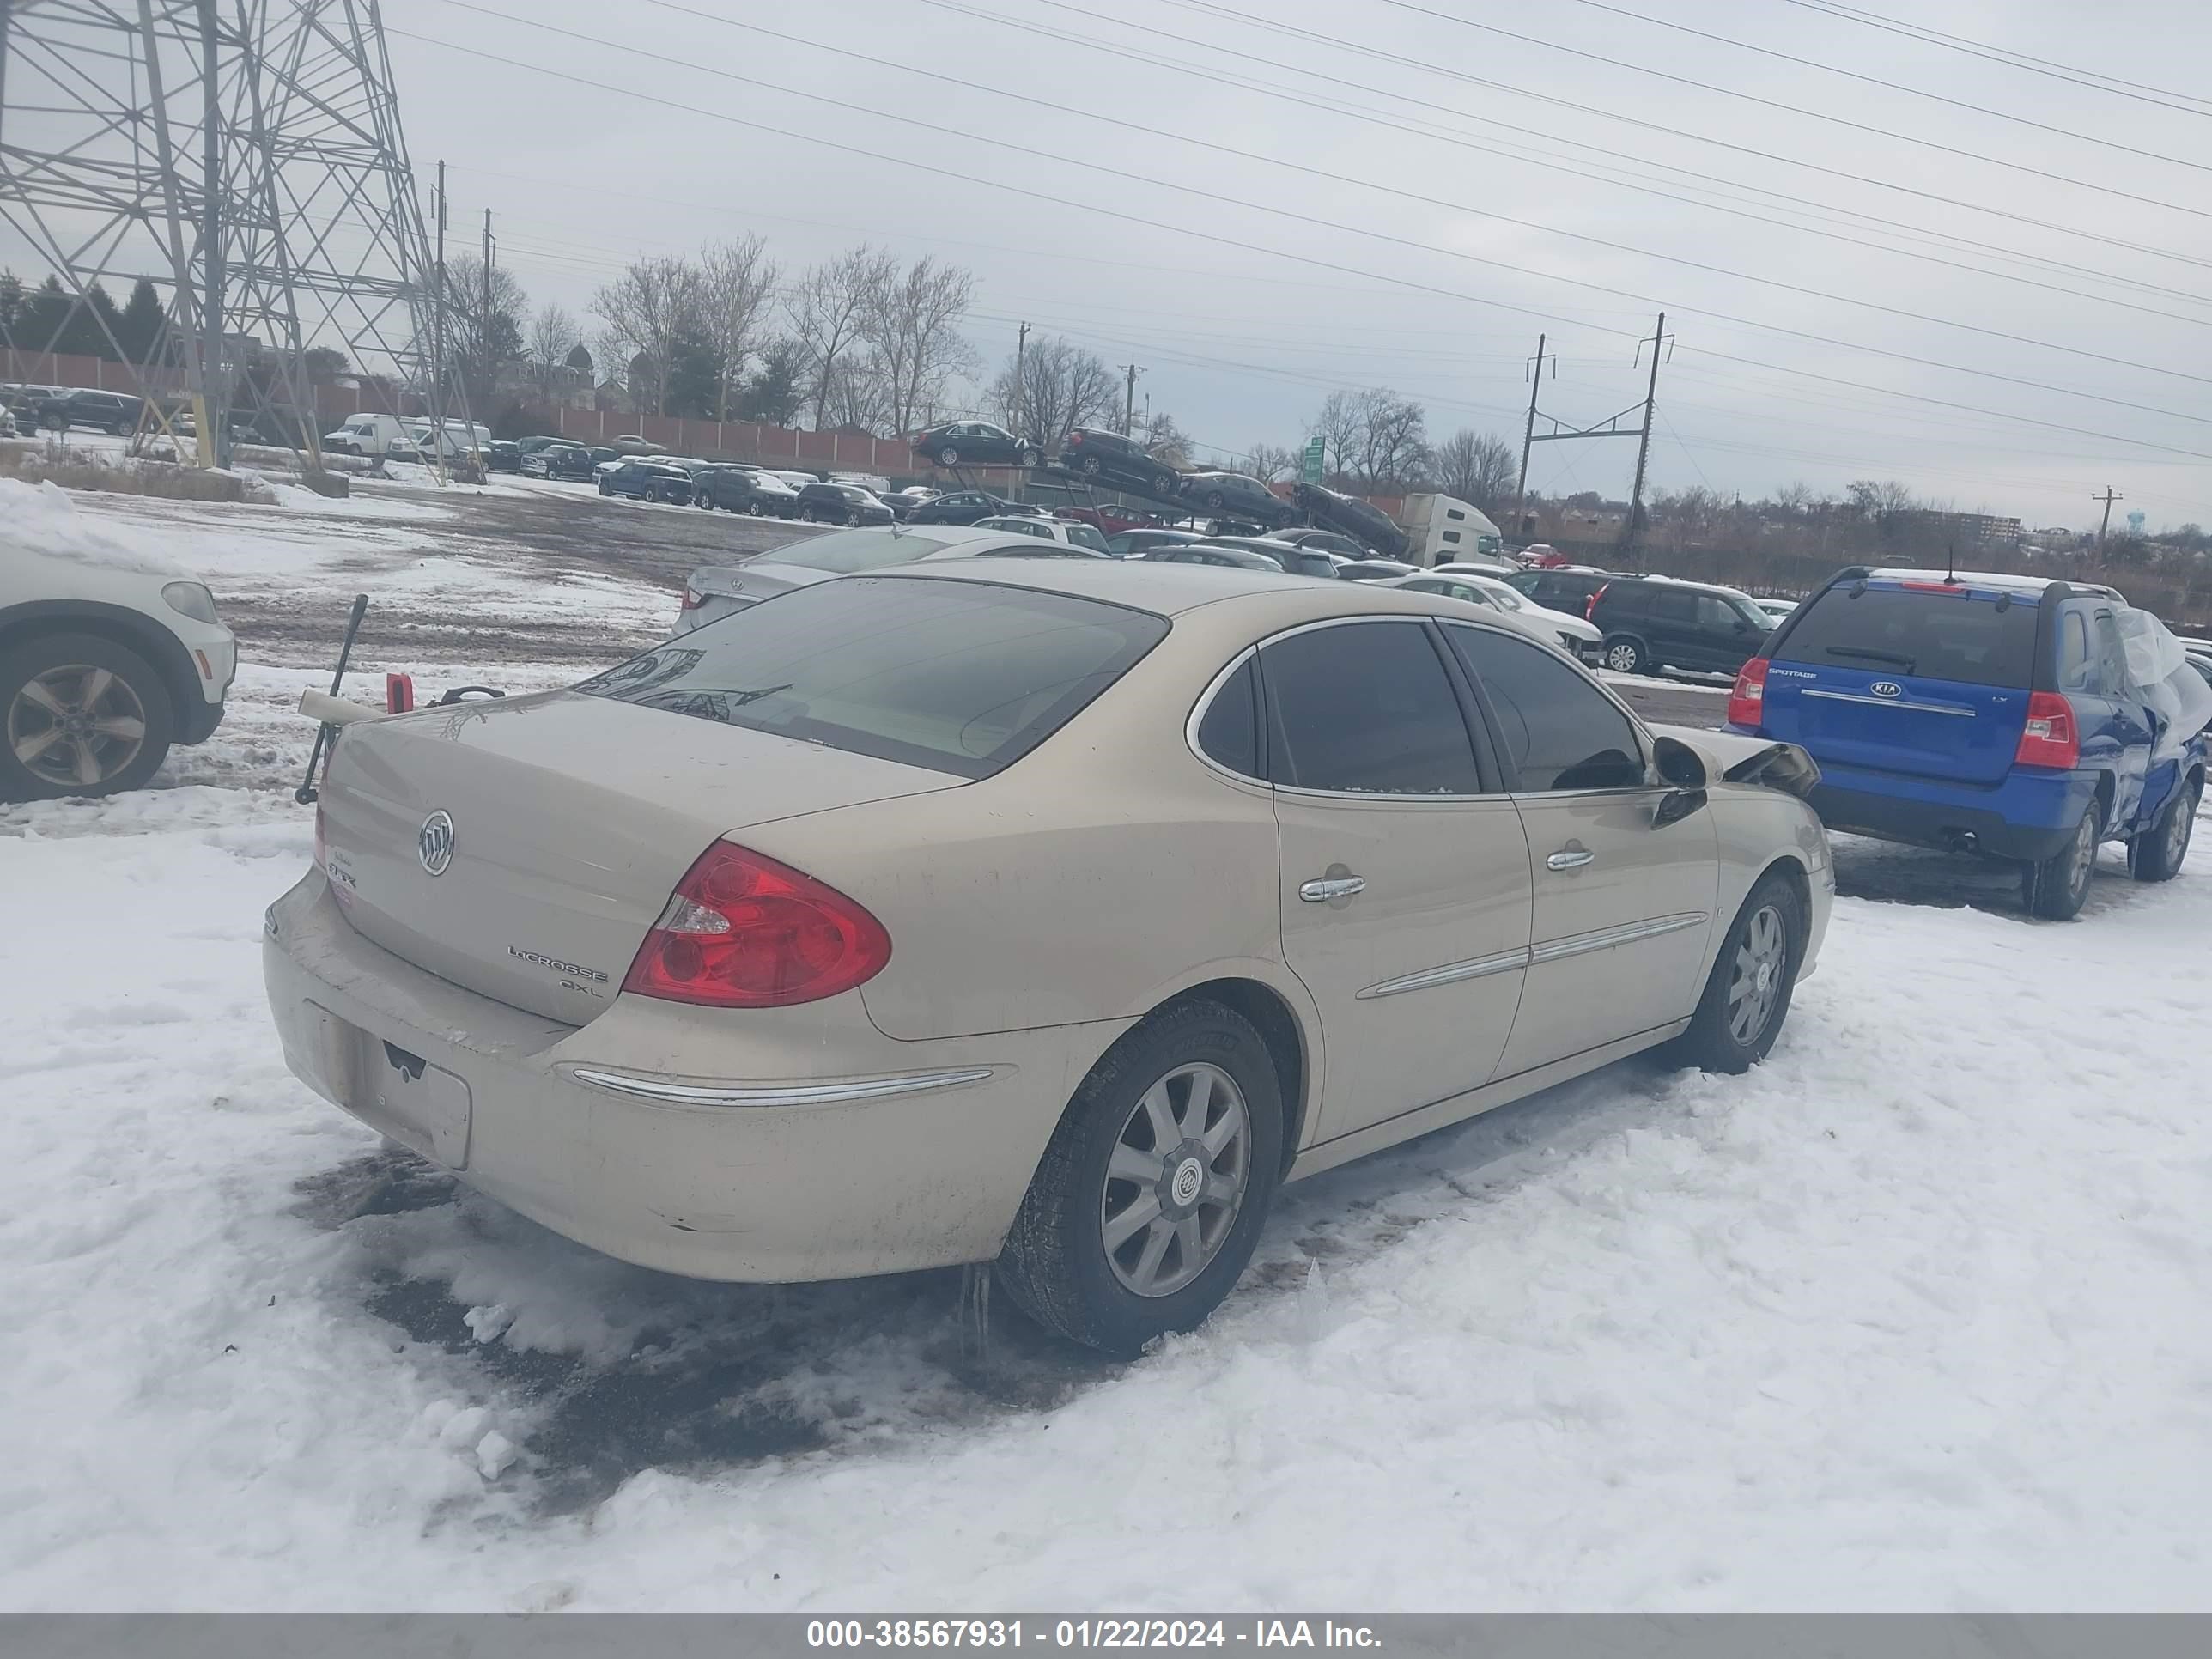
(461, 437)
(1441, 530)
(381, 437)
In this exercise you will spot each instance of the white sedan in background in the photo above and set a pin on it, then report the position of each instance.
(1073, 532)
(1572, 634)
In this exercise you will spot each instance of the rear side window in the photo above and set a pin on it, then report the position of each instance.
(1228, 735)
(959, 676)
(1937, 636)
(1560, 732)
(1366, 707)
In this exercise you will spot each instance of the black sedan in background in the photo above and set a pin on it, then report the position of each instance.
(1369, 526)
(964, 507)
(1297, 561)
(648, 481)
(1236, 495)
(1112, 459)
(841, 504)
(976, 443)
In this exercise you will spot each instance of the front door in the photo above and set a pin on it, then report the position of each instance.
(1405, 888)
(1623, 905)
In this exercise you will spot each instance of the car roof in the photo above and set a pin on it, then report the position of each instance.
(1174, 589)
(1998, 581)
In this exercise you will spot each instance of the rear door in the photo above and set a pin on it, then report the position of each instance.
(1405, 885)
(1924, 684)
(1623, 904)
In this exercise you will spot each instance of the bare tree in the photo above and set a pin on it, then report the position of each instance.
(829, 311)
(1395, 439)
(1477, 467)
(1270, 463)
(912, 326)
(644, 309)
(482, 341)
(1341, 428)
(735, 280)
(1061, 386)
(554, 334)
(1164, 440)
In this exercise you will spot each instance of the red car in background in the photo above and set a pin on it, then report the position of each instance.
(1110, 521)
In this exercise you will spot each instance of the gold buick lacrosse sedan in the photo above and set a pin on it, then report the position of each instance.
(1044, 914)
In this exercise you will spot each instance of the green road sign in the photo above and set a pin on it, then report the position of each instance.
(1310, 462)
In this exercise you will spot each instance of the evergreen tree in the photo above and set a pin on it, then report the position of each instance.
(773, 395)
(142, 329)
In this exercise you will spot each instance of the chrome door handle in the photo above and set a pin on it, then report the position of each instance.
(1570, 857)
(1332, 887)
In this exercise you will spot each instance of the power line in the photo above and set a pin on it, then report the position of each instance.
(1338, 43)
(1276, 160)
(1154, 223)
(1453, 253)
(1877, 81)
(2093, 79)
(1813, 114)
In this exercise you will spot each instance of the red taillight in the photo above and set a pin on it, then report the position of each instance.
(1747, 697)
(1074, 438)
(2050, 737)
(692, 601)
(742, 931)
(1589, 605)
(1956, 590)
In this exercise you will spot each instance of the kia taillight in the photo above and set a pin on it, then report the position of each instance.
(742, 931)
(692, 600)
(1747, 697)
(2050, 737)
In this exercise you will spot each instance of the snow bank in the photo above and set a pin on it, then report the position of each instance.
(44, 518)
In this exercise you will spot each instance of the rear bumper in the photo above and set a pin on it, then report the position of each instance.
(2030, 815)
(583, 1130)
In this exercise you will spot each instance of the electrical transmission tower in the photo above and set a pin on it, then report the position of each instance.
(247, 155)
(1610, 427)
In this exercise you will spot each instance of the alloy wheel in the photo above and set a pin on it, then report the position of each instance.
(1621, 659)
(2178, 832)
(2085, 853)
(1762, 957)
(1176, 1180)
(77, 725)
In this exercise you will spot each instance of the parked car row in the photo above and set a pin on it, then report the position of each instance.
(58, 408)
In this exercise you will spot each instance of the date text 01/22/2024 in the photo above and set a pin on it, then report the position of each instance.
(1104, 1632)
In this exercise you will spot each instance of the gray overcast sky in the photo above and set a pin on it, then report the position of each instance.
(1245, 326)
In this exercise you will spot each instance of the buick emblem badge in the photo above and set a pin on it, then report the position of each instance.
(434, 843)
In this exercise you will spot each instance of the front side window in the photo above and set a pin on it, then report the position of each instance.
(959, 676)
(1559, 730)
(1366, 707)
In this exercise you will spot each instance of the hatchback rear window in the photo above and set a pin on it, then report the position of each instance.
(960, 676)
(1937, 637)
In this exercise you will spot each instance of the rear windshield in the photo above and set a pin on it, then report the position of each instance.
(859, 550)
(959, 676)
(1934, 636)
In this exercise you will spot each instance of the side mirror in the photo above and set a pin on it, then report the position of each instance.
(1678, 763)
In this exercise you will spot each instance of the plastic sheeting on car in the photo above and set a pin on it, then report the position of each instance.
(2162, 677)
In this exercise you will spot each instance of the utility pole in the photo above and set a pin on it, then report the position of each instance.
(1643, 444)
(1129, 404)
(438, 342)
(1021, 387)
(1528, 435)
(2108, 498)
(483, 325)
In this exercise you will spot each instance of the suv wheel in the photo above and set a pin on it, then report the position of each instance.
(1746, 995)
(1164, 485)
(1624, 654)
(1091, 466)
(2056, 887)
(1147, 1202)
(2156, 854)
(79, 715)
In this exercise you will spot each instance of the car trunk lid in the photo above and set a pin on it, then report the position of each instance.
(563, 823)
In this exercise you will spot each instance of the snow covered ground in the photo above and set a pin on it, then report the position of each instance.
(1913, 1316)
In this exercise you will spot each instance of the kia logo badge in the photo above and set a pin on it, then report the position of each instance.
(1879, 688)
(434, 843)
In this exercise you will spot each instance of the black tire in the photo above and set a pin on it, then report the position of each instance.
(1166, 484)
(1091, 466)
(24, 720)
(1055, 1263)
(605, 488)
(702, 500)
(2157, 853)
(1029, 456)
(1624, 653)
(948, 456)
(2056, 887)
(1215, 500)
(1717, 1041)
